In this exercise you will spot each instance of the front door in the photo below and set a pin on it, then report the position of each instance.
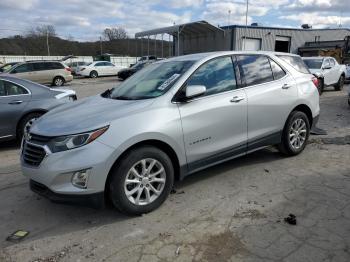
(13, 99)
(215, 124)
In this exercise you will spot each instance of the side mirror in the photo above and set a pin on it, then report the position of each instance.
(195, 90)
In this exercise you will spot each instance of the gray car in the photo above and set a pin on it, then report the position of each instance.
(171, 119)
(22, 101)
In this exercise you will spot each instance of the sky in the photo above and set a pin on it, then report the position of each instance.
(84, 20)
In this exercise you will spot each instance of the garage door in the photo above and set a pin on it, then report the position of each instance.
(251, 44)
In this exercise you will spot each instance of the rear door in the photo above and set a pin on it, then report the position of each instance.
(110, 68)
(13, 100)
(271, 94)
(42, 71)
(101, 68)
(214, 124)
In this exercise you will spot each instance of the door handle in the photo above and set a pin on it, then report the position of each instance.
(236, 99)
(16, 102)
(286, 86)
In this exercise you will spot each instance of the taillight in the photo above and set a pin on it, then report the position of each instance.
(315, 81)
(68, 69)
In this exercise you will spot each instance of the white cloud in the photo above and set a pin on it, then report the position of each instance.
(317, 20)
(18, 4)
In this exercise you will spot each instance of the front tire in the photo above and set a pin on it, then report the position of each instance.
(339, 86)
(26, 123)
(295, 134)
(141, 181)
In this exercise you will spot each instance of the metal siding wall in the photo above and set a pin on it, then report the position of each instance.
(298, 37)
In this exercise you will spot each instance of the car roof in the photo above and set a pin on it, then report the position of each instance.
(200, 56)
(23, 82)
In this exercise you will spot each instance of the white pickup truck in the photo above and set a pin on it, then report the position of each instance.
(328, 70)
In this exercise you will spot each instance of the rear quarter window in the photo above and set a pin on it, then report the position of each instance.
(296, 62)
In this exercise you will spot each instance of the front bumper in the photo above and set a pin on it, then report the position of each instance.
(53, 176)
(95, 200)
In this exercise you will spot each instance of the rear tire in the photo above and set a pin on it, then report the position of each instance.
(26, 123)
(339, 86)
(58, 81)
(93, 74)
(295, 134)
(135, 187)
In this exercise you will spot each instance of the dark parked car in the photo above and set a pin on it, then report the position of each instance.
(22, 101)
(127, 72)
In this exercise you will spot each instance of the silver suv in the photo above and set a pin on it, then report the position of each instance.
(170, 119)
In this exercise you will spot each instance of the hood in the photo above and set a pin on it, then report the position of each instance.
(85, 115)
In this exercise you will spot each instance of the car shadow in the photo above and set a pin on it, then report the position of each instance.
(45, 218)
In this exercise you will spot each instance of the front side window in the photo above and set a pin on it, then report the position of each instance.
(13, 89)
(22, 69)
(216, 75)
(277, 71)
(332, 62)
(153, 81)
(255, 69)
(326, 63)
(100, 64)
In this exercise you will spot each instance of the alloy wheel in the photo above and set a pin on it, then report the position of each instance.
(145, 181)
(297, 133)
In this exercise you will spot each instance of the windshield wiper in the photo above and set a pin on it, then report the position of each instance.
(123, 98)
(107, 93)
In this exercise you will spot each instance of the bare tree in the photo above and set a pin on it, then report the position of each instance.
(114, 33)
(42, 30)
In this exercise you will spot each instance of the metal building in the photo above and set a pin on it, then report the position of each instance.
(202, 36)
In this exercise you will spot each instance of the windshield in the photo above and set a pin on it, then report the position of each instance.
(313, 63)
(152, 81)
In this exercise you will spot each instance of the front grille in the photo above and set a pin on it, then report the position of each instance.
(39, 139)
(33, 154)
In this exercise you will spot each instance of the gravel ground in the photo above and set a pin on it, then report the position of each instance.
(232, 212)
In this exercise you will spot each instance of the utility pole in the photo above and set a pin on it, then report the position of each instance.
(47, 41)
(100, 45)
(229, 17)
(246, 26)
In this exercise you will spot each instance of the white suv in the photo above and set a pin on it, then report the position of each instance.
(169, 120)
(328, 70)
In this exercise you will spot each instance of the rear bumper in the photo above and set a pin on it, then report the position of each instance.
(95, 200)
(68, 78)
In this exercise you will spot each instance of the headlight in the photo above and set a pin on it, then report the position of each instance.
(64, 143)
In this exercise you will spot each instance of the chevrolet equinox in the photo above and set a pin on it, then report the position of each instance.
(173, 118)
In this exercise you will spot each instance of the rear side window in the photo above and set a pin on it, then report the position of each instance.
(296, 62)
(100, 64)
(13, 89)
(255, 69)
(277, 71)
(55, 65)
(216, 75)
(39, 66)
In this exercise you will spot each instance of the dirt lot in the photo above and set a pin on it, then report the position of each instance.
(231, 212)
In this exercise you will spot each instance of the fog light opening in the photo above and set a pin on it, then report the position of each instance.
(80, 178)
